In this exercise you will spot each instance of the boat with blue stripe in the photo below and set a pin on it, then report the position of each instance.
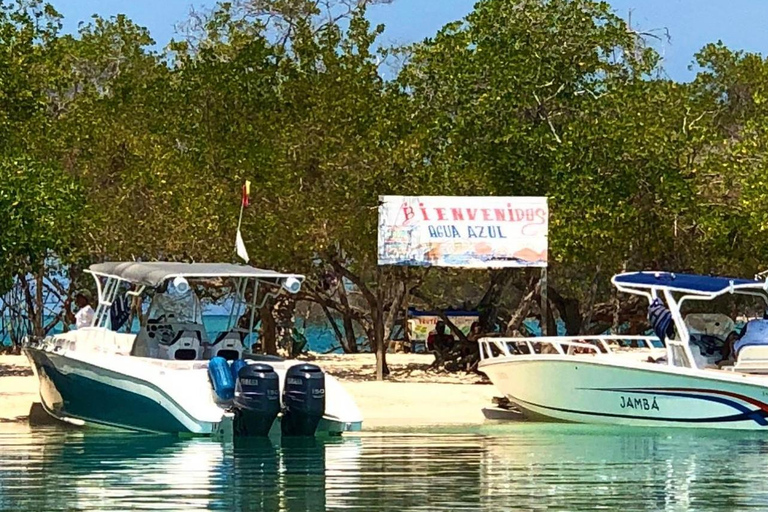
(698, 370)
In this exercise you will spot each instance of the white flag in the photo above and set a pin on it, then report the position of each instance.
(240, 247)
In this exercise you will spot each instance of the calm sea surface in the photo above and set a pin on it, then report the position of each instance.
(510, 467)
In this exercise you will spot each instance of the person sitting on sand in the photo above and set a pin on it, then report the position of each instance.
(469, 346)
(439, 340)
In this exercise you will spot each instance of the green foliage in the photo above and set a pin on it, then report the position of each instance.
(41, 209)
(147, 151)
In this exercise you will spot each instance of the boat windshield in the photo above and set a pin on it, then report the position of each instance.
(177, 306)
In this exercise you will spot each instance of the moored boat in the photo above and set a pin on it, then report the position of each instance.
(675, 379)
(171, 377)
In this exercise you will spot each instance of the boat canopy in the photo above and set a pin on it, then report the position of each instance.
(155, 273)
(709, 286)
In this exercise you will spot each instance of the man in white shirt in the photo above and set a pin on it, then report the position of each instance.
(84, 315)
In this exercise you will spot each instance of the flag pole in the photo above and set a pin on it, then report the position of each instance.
(239, 244)
(240, 219)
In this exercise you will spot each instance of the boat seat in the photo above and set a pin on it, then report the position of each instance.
(752, 359)
(186, 344)
(228, 344)
(754, 334)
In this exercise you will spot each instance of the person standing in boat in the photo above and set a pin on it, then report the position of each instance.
(84, 315)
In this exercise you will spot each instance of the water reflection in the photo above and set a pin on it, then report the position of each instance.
(531, 467)
(83, 470)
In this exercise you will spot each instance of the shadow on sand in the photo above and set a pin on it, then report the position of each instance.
(14, 370)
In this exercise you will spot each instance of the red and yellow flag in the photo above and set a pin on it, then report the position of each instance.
(246, 193)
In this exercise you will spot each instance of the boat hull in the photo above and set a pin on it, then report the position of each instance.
(73, 389)
(81, 391)
(591, 390)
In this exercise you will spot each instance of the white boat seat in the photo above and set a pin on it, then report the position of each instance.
(754, 334)
(183, 341)
(752, 359)
(187, 345)
(228, 344)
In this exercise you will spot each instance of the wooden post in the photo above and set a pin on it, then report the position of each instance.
(379, 333)
(544, 306)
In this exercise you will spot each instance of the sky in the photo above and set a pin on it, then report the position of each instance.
(740, 24)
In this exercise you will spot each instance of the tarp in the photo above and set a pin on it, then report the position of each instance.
(473, 232)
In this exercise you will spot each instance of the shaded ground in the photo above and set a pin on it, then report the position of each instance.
(402, 367)
(14, 370)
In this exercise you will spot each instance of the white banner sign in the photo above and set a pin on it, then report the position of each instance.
(473, 232)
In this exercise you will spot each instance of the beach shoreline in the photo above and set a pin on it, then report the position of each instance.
(412, 396)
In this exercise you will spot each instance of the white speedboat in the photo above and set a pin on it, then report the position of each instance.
(171, 377)
(626, 380)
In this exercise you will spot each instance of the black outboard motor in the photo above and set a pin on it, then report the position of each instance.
(303, 400)
(257, 400)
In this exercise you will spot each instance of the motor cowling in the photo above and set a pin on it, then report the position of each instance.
(303, 400)
(257, 400)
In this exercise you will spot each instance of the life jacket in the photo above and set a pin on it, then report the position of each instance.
(660, 319)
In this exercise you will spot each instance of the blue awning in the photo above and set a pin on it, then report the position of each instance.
(690, 283)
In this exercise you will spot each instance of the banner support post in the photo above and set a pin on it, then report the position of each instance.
(544, 306)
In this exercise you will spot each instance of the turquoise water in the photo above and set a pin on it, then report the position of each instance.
(509, 467)
(320, 337)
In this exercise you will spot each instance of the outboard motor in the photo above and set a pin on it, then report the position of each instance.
(257, 400)
(221, 379)
(303, 400)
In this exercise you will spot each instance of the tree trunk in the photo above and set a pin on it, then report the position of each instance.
(29, 302)
(551, 321)
(380, 343)
(268, 334)
(374, 300)
(39, 303)
(615, 321)
(283, 312)
(397, 306)
(350, 347)
(334, 326)
(523, 308)
(569, 311)
(587, 320)
(488, 305)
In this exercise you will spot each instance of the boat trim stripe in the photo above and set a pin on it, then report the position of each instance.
(732, 418)
(692, 393)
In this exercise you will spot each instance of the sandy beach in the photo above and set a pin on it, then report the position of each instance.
(413, 395)
(18, 388)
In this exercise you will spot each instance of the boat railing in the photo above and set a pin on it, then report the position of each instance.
(491, 348)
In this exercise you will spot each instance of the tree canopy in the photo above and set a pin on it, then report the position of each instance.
(111, 149)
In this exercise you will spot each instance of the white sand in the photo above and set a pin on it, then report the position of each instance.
(18, 388)
(412, 396)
